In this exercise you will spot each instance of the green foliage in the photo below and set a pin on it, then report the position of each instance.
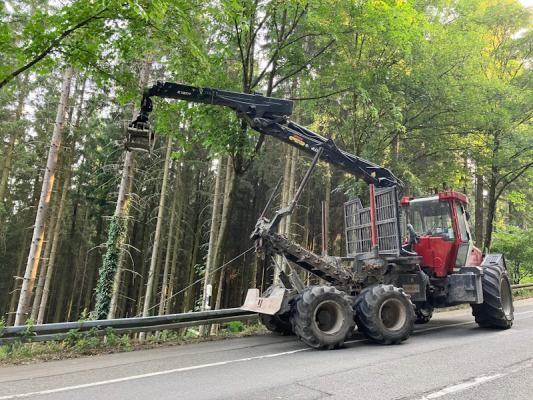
(165, 335)
(191, 333)
(81, 30)
(75, 343)
(234, 326)
(19, 351)
(516, 245)
(28, 332)
(106, 274)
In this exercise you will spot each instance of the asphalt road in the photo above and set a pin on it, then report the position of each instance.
(449, 358)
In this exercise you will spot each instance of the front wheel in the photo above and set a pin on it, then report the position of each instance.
(323, 318)
(384, 314)
(497, 309)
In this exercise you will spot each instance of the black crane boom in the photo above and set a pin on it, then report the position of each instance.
(269, 116)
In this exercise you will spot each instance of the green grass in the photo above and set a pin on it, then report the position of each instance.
(77, 344)
(520, 294)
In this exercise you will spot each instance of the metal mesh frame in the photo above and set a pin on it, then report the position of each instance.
(358, 228)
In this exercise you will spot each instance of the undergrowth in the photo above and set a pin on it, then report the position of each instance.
(91, 342)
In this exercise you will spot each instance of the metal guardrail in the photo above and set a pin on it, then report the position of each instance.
(522, 286)
(58, 331)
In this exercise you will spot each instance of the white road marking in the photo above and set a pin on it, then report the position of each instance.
(201, 366)
(476, 381)
(462, 386)
(148, 375)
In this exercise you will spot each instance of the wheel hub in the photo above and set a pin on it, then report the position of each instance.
(506, 298)
(392, 314)
(328, 317)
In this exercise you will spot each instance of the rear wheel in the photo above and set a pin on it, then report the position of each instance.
(497, 309)
(323, 317)
(384, 314)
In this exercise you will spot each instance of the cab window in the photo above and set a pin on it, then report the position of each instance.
(462, 222)
(431, 218)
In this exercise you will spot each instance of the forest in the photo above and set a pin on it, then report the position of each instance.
(438, 91)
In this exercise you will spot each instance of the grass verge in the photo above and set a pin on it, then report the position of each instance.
(79, 344)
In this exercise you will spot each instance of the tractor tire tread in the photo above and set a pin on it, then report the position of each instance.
(490, 313)
(366, 310)
(303, 314)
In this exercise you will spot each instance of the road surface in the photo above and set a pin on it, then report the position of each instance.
(450, 358)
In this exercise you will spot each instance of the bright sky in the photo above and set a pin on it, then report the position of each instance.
(527, 3)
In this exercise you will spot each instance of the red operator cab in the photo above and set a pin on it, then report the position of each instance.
(444, 240)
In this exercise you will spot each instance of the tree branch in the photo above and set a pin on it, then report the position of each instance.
(56, 42)
(319, 97)
(520, 172)
(304, 65)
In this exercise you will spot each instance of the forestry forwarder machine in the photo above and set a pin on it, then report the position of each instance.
(384, 284)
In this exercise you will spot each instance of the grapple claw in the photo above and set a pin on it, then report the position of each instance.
(139, 137)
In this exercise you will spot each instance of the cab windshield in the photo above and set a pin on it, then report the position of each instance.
(430, 217)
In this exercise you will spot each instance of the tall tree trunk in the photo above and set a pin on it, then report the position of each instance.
(220, 285)
(479, 211)
(42, 210)
(117, 228)
(491, 211)
(54, 218)
(77, 297)
(22, 253)
(280, 262)
(157, 236)
(122, 226)
(53, 251)
(44, 260)
(327, 208)
(14, 294)
(493, 197)
(227, 205)
(181, 203)
(61, 288)
(292, 180)
(187, 274)
(213, 233)
(171, 239)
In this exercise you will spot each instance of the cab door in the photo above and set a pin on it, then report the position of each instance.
(463, 236)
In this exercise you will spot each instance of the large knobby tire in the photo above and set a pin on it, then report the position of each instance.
(497, 309)
(323, 318)
(279, 324)
(384, 314)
